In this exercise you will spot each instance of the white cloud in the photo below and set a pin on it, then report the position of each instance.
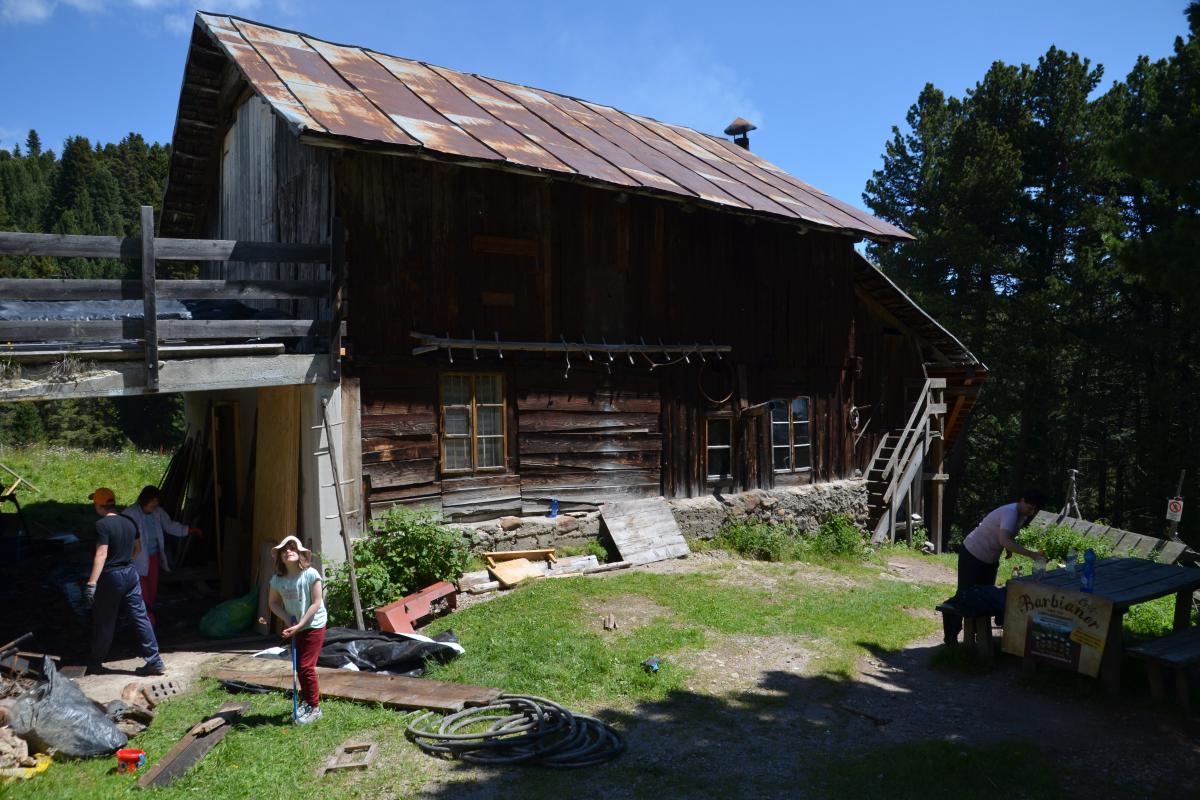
(686, 83)
(25, 10)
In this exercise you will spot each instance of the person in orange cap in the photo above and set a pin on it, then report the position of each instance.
(113, 584)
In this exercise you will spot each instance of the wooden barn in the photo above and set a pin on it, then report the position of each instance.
(551, 301)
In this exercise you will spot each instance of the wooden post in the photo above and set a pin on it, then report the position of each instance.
(149, 301)
(939, 486)
(337, 493)
(337, 283)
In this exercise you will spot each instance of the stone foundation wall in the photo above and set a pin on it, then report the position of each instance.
(698, 517)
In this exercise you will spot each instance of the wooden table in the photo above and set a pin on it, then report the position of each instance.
(1127, 582)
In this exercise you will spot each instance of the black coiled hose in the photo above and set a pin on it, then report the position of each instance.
(517, 729)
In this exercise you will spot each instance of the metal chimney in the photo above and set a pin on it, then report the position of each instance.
(740, 129)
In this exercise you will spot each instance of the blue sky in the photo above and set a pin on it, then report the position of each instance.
(824, 81)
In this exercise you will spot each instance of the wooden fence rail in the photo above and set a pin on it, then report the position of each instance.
(149, 249)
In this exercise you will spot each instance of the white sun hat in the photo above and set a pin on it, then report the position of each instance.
(293, 540)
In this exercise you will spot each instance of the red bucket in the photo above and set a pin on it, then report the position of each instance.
(128, 759)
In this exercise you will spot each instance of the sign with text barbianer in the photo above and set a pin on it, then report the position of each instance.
(1052, 625)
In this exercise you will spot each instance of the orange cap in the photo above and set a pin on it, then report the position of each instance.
(103, 497)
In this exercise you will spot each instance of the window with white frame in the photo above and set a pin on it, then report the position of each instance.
(472, 422)
(791, 449)
(718, 448)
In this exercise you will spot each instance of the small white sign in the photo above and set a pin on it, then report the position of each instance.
(1175, 509)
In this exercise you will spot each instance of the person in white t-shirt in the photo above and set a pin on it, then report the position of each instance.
(979, 556)
(297, 598)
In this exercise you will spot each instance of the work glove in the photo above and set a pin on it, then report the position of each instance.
(89, 594)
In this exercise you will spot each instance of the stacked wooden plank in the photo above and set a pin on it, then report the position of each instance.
(644, 530)
(1123, 542)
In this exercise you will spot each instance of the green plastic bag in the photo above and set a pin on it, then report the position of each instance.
(231, 617)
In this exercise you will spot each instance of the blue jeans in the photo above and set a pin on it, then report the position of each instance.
(117, 589)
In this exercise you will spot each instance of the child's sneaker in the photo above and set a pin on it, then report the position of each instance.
(313, 715)
(304, 709)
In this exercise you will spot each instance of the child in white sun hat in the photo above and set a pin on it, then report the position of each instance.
(297, 599)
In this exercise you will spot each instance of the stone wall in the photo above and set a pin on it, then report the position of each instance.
(698, 517)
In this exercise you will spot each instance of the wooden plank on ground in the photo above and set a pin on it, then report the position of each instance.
(395, 691)
(514, 572)
(194, 745)
(644, 530)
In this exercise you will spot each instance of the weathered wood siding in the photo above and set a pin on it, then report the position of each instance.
(442, 249)
(271, 189)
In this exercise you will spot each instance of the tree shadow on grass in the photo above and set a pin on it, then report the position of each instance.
(903, 730)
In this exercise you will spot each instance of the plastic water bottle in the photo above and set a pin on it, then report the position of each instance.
(553, 507)
(1072, 557)
(1087, 581)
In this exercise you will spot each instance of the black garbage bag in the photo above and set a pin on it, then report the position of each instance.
(379, 651)
(57, 717)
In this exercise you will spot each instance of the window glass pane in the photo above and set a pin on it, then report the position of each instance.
(719, 462)
(719, 431)
(487, 389)
(458, 421)
(489, 452)
(803, 457)
(779, 433)
(779, 411)
(489, 420)
(781, 457)
(458, 454)
(800, 433)
(456, 390)
(800, 409)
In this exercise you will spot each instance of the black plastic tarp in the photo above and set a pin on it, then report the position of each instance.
(378, 651)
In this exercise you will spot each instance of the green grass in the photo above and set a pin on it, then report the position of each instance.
(538, 636)
(66, 477)
(263, 756)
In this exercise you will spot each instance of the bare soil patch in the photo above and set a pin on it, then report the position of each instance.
(918, 569)
(630, 610)
(731, 664)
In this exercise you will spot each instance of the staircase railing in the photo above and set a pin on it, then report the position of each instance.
(904, 465)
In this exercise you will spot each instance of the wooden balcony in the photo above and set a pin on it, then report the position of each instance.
(65, 357)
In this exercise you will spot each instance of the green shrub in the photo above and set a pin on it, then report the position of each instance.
(406, 550)
(1058, 540)
(757, 540)
(839, 537)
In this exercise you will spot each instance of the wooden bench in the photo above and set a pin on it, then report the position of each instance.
(977, 631)
(1178, 652)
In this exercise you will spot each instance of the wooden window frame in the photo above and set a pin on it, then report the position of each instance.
(708, 476)
(791, 445)
(473, 436)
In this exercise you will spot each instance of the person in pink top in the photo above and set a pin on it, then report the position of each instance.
(979, 556)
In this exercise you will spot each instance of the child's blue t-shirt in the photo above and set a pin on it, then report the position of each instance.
(297, 596)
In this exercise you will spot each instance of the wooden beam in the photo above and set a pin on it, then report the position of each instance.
(194, 746)
(394, 691)
(337, 283)
(73, 246)
(133, 352)
(101, 289)
(101, 329)
(149, 300)
(126, 378)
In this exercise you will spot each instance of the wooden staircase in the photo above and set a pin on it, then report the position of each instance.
(898, 464)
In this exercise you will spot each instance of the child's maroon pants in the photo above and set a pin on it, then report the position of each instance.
(308, 647)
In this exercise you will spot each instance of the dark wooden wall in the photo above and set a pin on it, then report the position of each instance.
(442, 249)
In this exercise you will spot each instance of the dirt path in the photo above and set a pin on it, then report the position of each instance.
(755, 721)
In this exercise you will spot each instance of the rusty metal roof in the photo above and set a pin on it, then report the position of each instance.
(346, 94)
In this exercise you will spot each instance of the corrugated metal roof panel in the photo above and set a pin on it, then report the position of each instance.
(342, 91)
